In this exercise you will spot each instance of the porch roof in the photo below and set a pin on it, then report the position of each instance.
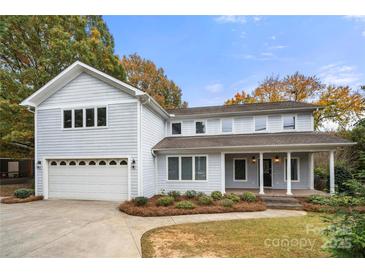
(256, 141)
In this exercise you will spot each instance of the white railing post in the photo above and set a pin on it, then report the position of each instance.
(332, 172)
(311, 170)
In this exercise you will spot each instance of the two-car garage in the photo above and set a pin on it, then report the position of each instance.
(88, 179)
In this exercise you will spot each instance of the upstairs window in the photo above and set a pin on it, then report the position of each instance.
(175, 128)
(67, 118)
(200, 127)
(260, 124)
(227, 125)
(85, 117)
(288, 122)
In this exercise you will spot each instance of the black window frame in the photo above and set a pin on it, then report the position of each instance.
(172, 128)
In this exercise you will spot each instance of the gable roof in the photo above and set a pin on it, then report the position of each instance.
(261, 140)
(75, 70)
(244, 108)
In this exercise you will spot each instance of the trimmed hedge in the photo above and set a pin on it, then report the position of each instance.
(185, 205)
(140, 201)
(165, 201)
(216, 195)
(248, 197)
(205, 200)
(23, 193)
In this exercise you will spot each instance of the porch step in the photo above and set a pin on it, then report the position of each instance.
(281, 202)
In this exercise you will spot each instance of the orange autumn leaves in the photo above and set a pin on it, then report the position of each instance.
(341, 104)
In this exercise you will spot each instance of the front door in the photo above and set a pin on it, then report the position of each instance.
(267, 173)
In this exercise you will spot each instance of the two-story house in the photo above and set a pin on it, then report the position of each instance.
(101, 139)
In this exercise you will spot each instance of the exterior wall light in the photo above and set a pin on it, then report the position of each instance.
(253, 159)
(133, 163)
(277, 159)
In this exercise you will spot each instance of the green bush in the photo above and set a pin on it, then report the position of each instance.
(336, 201)
(318, 199)
(23, 193)
(140, 201)
(216, 195)
(233, 197)
(185, 205)
(165, 201)
(342, 175)
(199, 194)
(227, 202)
(205, 200)
(174, 193)
(248, 197)
(355, 188)
(191, 194)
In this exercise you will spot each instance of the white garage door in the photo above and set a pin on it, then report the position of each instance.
(92, 179)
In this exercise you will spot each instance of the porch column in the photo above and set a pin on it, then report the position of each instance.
(288, 174)
(223, 172)
(311, 170)
(332, 172)
(261, 173)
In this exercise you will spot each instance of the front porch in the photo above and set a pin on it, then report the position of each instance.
(277, 192)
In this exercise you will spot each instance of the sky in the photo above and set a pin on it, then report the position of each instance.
(212, 57)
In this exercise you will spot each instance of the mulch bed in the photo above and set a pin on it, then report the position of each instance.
(151, 209)
(15, 200)
(325, 208)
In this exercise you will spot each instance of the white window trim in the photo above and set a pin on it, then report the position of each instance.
(254, 124)
(180, 168)
(221, 126)
(176, 122)
(295, 124)
(205, 124)
(84, 127)
(298, 169)
(234, 170)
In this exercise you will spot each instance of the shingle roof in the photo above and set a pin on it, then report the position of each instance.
(250, 140)
(274, 106)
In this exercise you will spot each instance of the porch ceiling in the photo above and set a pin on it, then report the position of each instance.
(262, 141)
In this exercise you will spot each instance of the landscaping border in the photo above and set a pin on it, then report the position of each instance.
(14, 200)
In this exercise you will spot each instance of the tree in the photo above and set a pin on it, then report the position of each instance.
(340, 104)
(241, 98)
(145, 75)
(34, 49)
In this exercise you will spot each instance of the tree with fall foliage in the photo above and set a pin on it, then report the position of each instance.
(34, 49)
(146, 76)
(341, 104)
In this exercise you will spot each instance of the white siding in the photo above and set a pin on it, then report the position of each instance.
(85, 89)
(245, 124)
(119, 139)
(213, 177)
(152, 131)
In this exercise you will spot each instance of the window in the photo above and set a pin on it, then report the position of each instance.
(199, 127)
(123, 163)
(173, 168)
(201, 168)
(63, 163)
(260, 123)
(227, 125)
(90, 117)
(72, 163)
(82, 163)
(288, 122)
(187, 168)
(53, 163)
(112, 163)
(240, 169)
(67, 118)
(175, 128)
(102, 163)
(92, 163)
(294, 169)
(102, 117)
(79, 120)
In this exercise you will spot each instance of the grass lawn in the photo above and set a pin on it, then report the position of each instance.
(8, 190)
(264, 238)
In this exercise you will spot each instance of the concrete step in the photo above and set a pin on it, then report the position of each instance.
(294, 206)
(274, 199)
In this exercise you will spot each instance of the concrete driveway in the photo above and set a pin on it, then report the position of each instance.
(68, 228)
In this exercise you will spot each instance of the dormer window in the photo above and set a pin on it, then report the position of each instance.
(176, 128)
(227, 125)
(289, 122)
(200, 127)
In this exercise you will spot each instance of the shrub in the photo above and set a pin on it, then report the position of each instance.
(174, 193)
(185, 205)
(199, 194)
(140, 201)
(165, 201)
(355, 188)
(318, 199)
(227, 202)
(342, 174)
(248, 197)
(190, 194)
(205, 200)
(23, 193)
(336, 201)
(216, 195)
(233, 197)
